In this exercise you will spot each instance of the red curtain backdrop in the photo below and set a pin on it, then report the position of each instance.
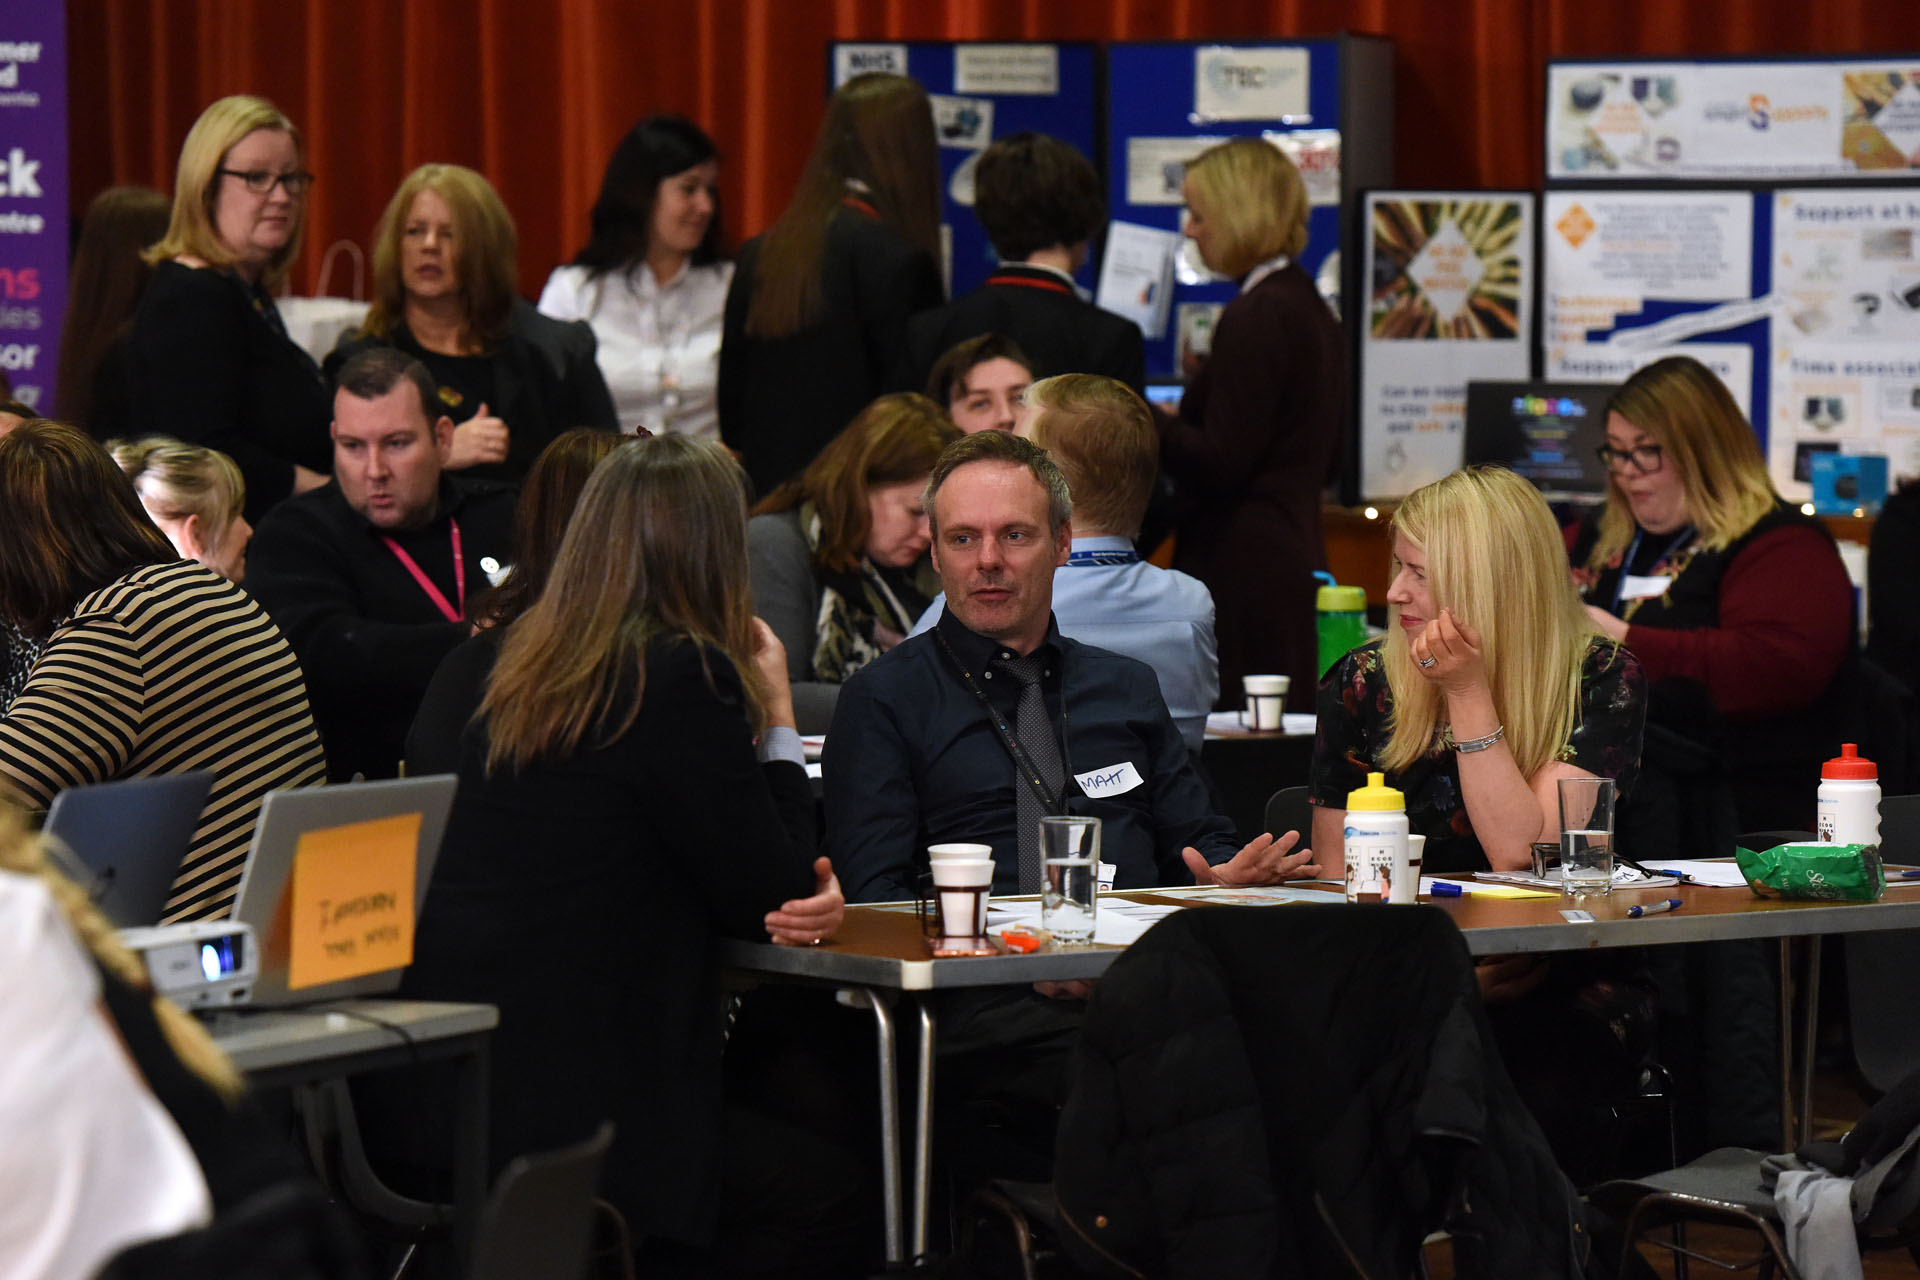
(534, 93)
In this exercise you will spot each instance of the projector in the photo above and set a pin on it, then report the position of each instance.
(208, 964)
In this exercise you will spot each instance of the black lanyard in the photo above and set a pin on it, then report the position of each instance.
(1021, 760)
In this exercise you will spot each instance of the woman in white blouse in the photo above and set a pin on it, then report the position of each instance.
(651, 279)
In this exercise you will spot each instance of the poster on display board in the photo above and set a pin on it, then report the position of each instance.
(33, 198)
(1326, 103)
(1846, 359)
(1450, 276)
(980, 92)
(1632, 276)
(1799, 118)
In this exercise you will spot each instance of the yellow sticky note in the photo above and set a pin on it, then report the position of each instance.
(352, 900)
(1482, 889)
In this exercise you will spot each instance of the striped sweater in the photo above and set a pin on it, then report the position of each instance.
(168, 669)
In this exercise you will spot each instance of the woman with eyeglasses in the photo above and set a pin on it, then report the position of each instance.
(444, 292)
(1737, 606)
(208, 359)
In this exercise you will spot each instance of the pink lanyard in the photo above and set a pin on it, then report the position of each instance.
(434, 593)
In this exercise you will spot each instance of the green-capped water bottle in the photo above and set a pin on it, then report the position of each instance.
(1343, 619)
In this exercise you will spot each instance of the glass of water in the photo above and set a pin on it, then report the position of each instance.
(1070, 856)
(1586, 835)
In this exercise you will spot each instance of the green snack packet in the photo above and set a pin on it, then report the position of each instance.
(1815, 872)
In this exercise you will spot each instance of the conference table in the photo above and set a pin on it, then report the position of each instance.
(879, 958)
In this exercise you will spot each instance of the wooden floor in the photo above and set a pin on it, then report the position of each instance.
(1836, 1105)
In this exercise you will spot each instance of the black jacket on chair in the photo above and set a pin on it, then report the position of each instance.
(1265, 1092)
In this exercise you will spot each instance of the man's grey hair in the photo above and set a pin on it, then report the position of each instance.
(998, 446)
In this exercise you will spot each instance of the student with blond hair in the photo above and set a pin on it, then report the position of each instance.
(195, 496)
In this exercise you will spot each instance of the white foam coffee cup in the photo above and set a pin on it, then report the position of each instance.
(962, 886)
(1266, 701)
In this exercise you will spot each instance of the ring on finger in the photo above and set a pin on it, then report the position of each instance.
(1428, 661)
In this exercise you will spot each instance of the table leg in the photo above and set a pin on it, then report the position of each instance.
(1809, 1034)
(1786, 1045)
(923, 1133)
(470, 1088)
(856, 997)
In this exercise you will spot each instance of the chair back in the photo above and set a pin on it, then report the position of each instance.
(539, 1219)
(1288, 810)
(1880, 969)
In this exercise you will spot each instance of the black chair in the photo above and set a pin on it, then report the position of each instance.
(539, 1219)
(1288, 810)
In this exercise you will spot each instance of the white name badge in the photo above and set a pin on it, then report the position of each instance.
(1635, 587)
(1114, 780)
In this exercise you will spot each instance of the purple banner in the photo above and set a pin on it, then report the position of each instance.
(33, 196)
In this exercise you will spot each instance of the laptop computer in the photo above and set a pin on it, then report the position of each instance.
(1545, 431)
(265, 900)
(129, 838)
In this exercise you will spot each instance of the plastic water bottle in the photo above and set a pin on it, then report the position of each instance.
(1342, 622)
(1379, 859)
(1849, 799)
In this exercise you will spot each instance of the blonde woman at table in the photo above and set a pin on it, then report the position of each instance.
(615, 815)
(1490, 686)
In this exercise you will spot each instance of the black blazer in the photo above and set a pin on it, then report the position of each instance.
(545, 381)
(781, 399)
(1057, 329)
(582, 896)
(204, 365)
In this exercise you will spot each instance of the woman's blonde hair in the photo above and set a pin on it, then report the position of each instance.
(1496, 559)
(485, 250)
(191, 232)
(25, 854)
(1705, 438)
(1255, 201)
(177, 480)
(656, 547)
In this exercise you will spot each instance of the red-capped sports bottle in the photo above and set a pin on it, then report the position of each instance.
(1849, 801)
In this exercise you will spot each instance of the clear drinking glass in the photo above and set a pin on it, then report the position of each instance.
(1070, 857)
(1586, 836)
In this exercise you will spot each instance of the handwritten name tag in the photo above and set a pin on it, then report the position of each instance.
(1635, 587)
(1116, 779)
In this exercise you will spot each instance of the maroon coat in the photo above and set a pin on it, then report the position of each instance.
(1259, 439)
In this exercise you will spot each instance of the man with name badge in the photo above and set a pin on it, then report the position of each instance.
(925, 740)
(1102, 437)
(369, 575)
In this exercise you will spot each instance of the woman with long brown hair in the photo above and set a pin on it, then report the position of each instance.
(443, 284)
(839, 553)
(108, 276)
(817, 312)
(614, 815)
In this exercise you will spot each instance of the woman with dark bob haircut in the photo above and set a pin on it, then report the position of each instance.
(652, 280)
(142, 651)
(632, 790)
(443, 284)
(817, 316)
(839, 554)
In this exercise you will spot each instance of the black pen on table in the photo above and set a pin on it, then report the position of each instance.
(1653, 908)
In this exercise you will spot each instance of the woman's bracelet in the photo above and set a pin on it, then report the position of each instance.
(1474, 744)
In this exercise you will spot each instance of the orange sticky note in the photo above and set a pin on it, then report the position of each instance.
(352, 900)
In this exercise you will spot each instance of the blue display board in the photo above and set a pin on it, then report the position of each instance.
(1152, 94)
(962, 73)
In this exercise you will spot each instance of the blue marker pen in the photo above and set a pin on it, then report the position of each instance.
(1447, 889)
(1653, 908)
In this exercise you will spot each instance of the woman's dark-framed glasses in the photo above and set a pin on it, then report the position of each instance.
(262, 181)
(1646, 458)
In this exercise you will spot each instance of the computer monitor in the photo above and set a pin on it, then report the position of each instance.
(265, 900)
(1166, 394)
(130, 836)
(1544, 431)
